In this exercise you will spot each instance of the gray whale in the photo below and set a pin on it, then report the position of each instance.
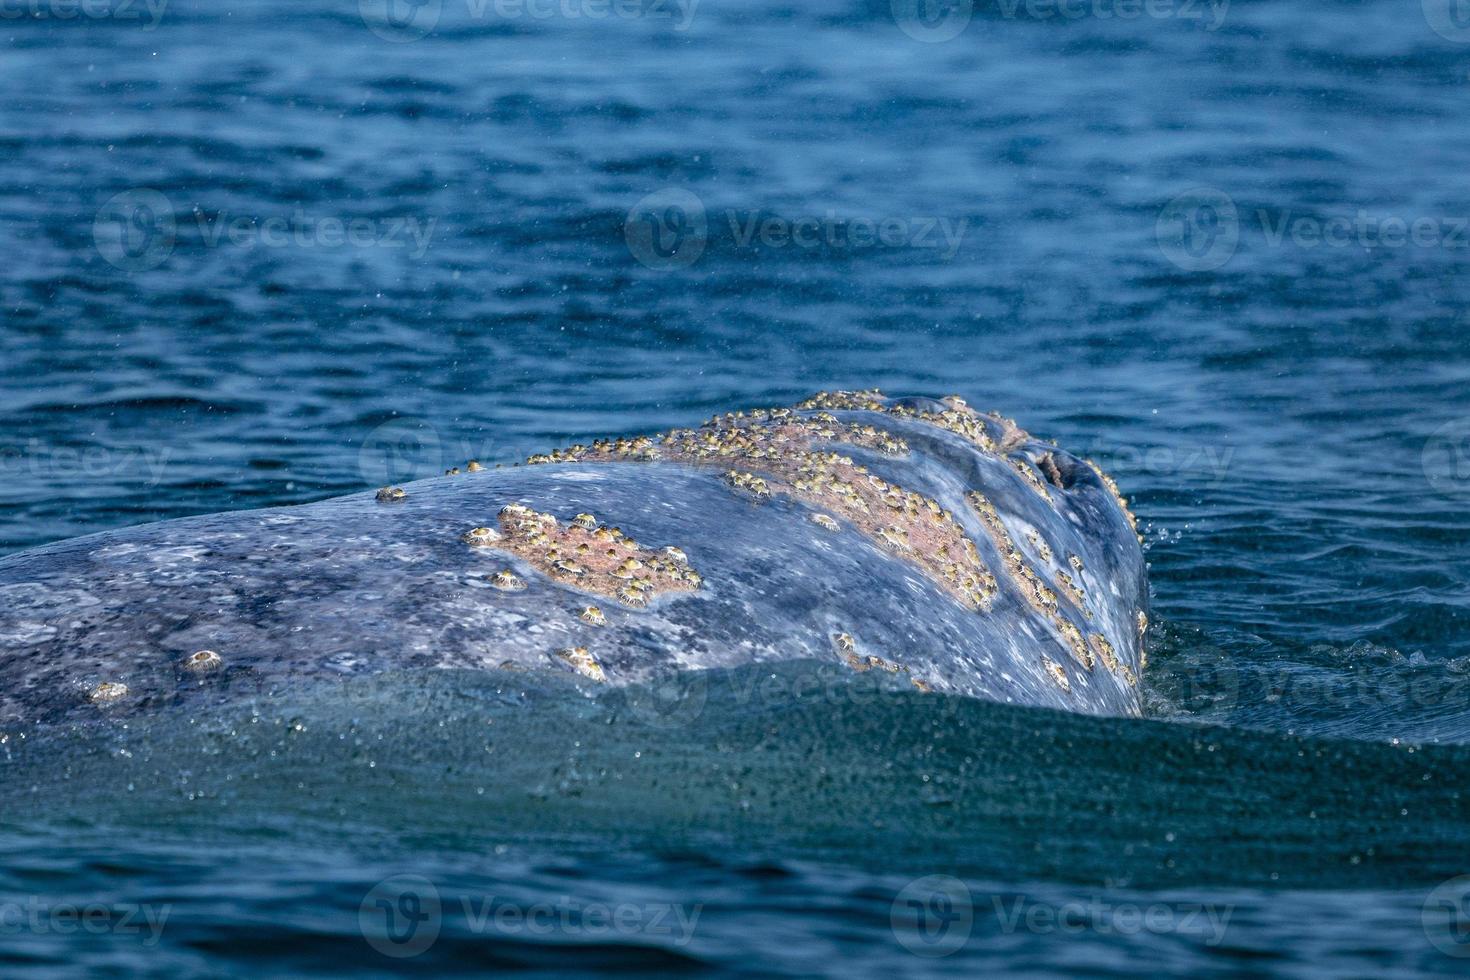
(912, 537)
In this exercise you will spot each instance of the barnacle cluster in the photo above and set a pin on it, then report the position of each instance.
(1039, 546)
(1023, 466)
(754, 485)
(902, 521)
(636, 449)
(1142, 629)
(1109, 657)
(1074, 592)
(780, 452)
(846, 648)
(586, 555)
(1057, 673)
(582, 662)
(794, 453)
(1041, 597)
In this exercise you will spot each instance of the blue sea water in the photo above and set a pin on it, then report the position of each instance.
(262, 253)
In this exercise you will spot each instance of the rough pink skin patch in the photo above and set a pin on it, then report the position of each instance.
(599, 559)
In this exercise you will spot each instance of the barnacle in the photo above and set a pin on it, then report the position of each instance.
(203, 661)
(583, 663)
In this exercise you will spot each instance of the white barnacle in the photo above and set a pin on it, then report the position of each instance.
(108, 692)
(481, 537)
(630, 596)
(203, 661)
(1057, 673)
(507, 581)
(894, 537)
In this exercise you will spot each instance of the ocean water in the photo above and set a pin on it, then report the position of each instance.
(263, 253)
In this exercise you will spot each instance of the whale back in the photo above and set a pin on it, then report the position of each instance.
(916, 538)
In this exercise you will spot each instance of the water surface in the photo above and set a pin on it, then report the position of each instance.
(265, 253)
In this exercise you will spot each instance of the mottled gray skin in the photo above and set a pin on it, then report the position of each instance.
(352, 585)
